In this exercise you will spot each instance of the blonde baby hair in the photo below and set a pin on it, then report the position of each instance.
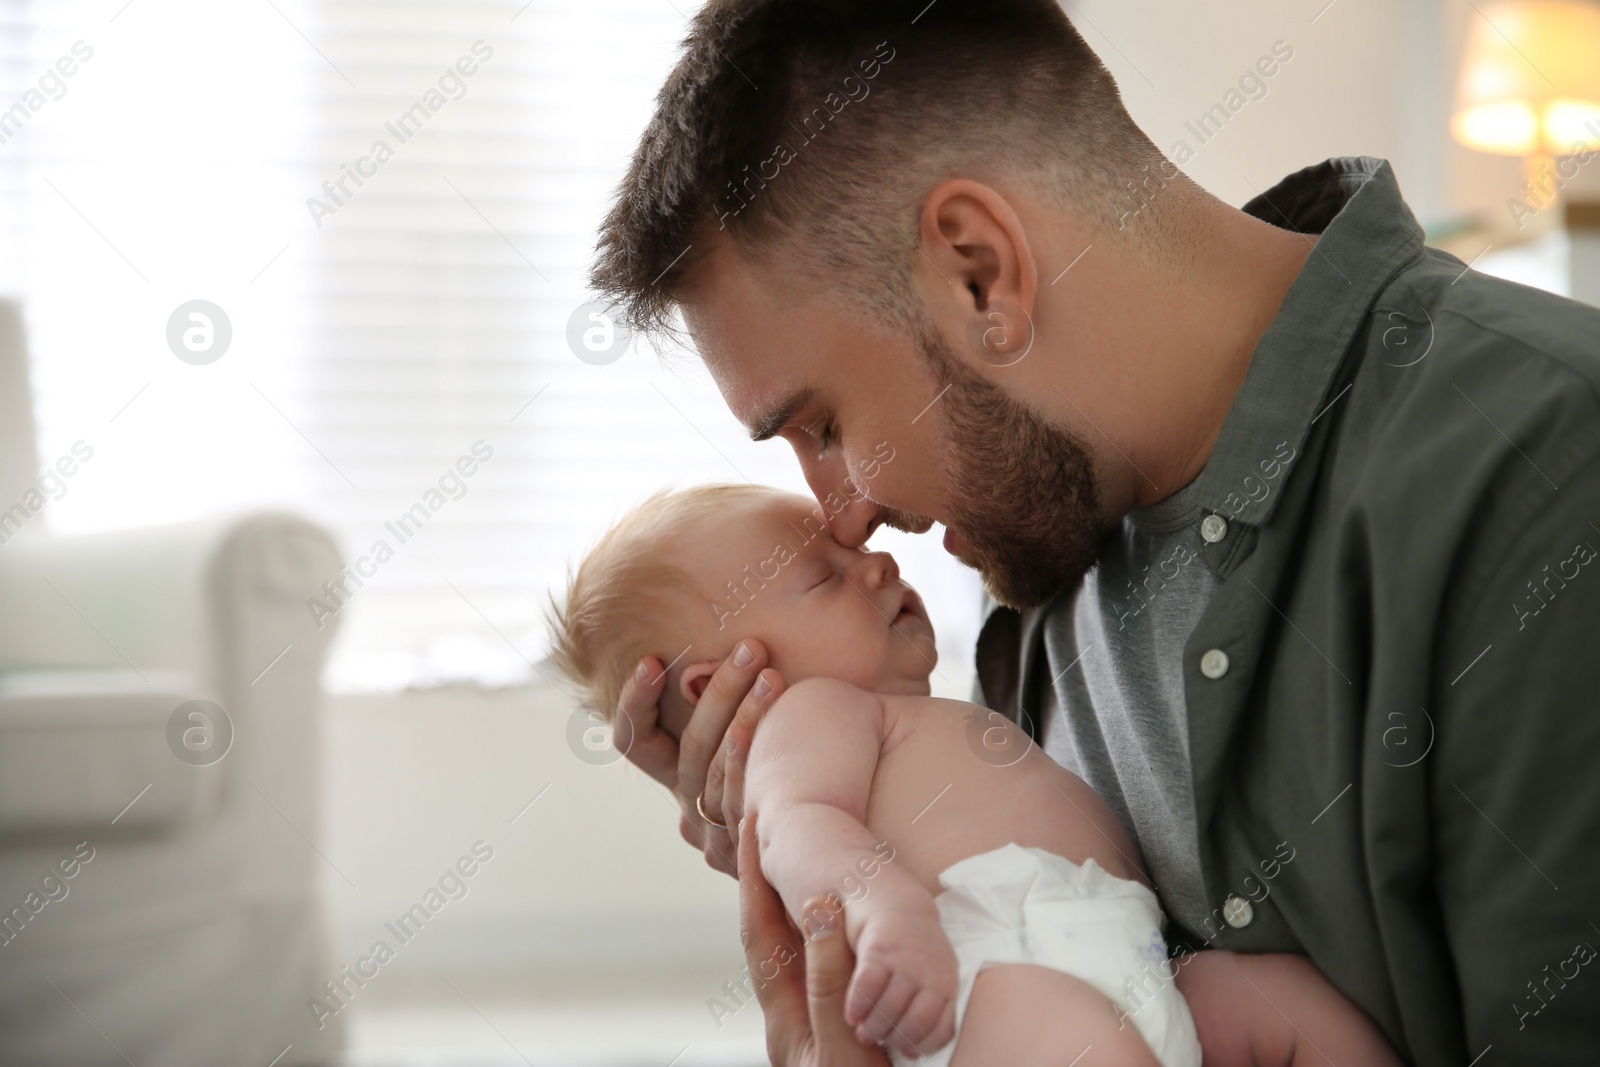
(623, 601)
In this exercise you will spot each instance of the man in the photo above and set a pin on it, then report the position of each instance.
(1289, 518)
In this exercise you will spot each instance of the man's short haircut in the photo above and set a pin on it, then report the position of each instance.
(813, 129)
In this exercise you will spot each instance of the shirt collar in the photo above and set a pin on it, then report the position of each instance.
(1367, 234)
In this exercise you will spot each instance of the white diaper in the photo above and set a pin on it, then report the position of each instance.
(1026, 905)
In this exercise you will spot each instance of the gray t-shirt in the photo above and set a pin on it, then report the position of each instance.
(1114, 649)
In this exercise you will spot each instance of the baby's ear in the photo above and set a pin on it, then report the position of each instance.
(696, 676)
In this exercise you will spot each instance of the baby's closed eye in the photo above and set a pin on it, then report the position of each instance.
(822, 577)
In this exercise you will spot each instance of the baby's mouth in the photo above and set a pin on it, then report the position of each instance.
(910, 608)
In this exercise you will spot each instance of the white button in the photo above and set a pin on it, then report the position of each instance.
(1237, 912)
(1214, 664)
(1213, 528)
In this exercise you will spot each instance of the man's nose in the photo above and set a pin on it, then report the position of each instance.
(852, 524)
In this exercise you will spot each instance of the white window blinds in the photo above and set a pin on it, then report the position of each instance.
(395, 205)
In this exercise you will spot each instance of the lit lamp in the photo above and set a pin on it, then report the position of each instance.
(1530, 87)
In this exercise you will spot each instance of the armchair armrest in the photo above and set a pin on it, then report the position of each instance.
(81, 749)
(223, 605)
(160, 597)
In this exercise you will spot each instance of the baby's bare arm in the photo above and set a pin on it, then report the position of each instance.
(810, 774)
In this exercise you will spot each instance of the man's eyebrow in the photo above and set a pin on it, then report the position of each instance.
(768, 423)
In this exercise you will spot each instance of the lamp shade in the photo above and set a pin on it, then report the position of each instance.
(1530, 78)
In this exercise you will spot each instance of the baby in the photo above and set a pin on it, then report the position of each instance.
(1002, 916)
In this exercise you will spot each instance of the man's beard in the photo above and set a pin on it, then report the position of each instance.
(1024, 496)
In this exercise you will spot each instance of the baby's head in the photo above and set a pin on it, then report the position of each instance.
(688, 574)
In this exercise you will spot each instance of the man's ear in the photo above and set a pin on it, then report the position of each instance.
(694, 679)
(978, 267)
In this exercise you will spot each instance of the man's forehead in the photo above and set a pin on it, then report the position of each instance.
(722, 279)
(762, 392)
(753, 342)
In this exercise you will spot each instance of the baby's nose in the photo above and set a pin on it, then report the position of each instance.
(881, 569)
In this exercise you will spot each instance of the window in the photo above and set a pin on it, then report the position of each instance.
(399, 314)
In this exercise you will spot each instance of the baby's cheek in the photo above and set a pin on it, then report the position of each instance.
(843, 638)
(865, 659)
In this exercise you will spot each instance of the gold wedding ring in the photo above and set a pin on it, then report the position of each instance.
(700, 806)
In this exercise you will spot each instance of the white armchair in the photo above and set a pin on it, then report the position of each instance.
(154, 908)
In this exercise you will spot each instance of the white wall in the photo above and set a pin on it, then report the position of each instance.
(1368, 77)
(593, 873)
(1338, 95)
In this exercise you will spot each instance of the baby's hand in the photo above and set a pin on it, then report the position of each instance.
(903, 993)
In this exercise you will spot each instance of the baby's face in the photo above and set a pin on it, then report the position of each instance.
(774, 573)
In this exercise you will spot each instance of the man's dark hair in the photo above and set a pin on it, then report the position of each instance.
(814, 129)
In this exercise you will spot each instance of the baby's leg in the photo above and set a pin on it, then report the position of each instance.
(1022, 1015)
(1276, 1010)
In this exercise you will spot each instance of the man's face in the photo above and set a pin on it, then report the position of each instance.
(1018, 496)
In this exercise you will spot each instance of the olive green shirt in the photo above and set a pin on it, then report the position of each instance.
(1393, 696)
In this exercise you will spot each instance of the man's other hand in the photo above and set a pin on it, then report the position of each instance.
(801, 987)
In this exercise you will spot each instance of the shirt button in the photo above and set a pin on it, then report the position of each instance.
(1214, 664)
(1213, 528)
(1237, 912)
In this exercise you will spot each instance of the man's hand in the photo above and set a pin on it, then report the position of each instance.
(707, 764)
(904, 992)
(801, 987)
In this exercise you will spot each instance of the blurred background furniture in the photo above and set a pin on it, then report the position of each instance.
(194, 933)
(1529, 87)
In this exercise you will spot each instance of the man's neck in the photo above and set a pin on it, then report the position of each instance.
(1164, 346)
(1248, 271)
